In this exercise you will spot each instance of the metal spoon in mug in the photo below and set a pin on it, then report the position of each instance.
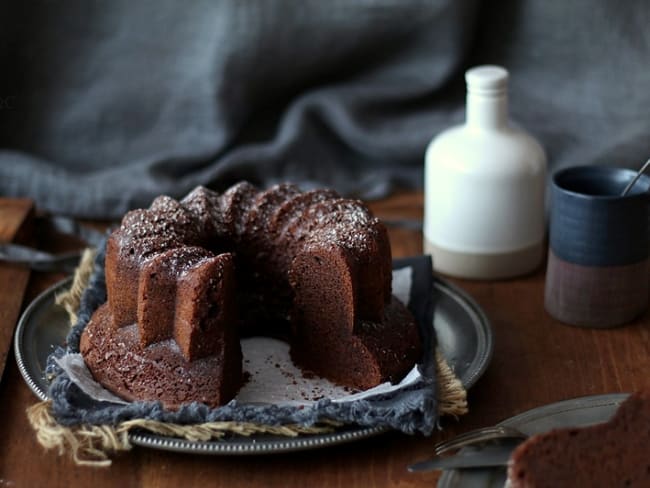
(636, 177)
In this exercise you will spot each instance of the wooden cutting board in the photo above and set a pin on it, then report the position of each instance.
(16, 217)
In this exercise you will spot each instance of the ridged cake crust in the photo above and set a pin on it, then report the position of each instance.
(190, 276)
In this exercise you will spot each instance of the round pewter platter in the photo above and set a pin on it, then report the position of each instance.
(463, 334)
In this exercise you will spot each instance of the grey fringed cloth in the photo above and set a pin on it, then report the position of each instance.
(411, 409)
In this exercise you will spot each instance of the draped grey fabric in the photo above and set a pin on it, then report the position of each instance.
(104, 105)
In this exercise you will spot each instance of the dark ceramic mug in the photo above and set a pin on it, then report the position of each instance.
(598, 262)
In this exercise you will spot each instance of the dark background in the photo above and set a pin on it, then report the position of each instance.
(104, 105)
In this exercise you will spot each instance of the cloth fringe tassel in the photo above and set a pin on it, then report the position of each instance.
(91, 445)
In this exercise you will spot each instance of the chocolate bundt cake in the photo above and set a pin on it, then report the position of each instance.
(186, 280)
(614, 453)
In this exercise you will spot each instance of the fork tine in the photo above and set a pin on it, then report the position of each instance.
(475, 436)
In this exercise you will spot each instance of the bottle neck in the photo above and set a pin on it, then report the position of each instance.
(487, 111)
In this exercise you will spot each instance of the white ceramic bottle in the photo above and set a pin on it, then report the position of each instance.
(485, 180)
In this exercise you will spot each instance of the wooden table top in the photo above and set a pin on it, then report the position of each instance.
(536, 361)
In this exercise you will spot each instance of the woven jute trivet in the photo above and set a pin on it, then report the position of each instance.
(91, 445)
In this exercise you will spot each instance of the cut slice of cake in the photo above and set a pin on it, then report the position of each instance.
(614, 453)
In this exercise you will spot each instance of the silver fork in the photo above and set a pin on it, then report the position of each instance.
(478, 436)
(473, 437)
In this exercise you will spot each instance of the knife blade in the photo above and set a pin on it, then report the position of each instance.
(38, 260)
(488, 457)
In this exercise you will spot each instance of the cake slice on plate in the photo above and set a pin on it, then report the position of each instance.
(614, 453)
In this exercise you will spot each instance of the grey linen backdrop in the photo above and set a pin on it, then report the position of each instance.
(104, 105)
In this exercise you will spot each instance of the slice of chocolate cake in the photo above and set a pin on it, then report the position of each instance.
(614, 453)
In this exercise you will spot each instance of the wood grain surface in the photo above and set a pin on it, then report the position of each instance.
(15, 220)
(536, 361)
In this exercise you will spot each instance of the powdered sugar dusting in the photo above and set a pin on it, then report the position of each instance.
(345, 222)
(235, 204)
(179, 260)
(267, 203)
(206, 207)
(164, 225)
(294, 208)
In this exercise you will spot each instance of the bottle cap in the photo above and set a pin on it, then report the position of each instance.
(487, 80)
